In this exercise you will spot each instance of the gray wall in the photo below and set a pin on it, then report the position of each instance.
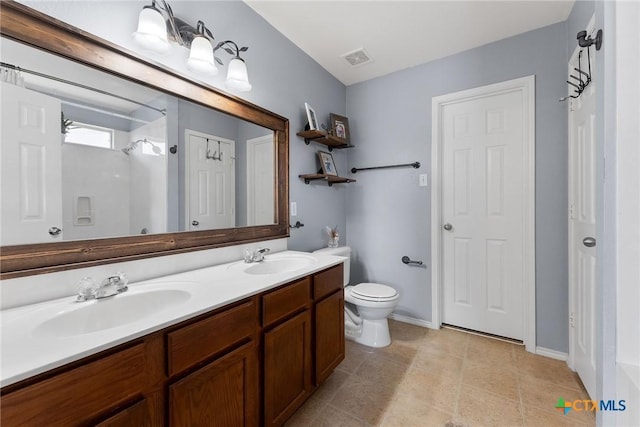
(388, 214)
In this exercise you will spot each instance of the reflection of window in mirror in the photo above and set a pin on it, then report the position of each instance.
(93, 136)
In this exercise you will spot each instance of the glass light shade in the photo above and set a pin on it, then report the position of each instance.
(152, 31)
(201, 57)
(237, 77)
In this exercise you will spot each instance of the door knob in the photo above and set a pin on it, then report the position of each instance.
(448, 227)
(55, 231)
(589, 242)
(195, 223)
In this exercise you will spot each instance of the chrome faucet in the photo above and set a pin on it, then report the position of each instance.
(110, 286)
(255, 256)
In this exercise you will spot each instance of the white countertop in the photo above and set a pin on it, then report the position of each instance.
(26, 350)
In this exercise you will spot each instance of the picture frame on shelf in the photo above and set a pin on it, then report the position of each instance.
(340, 127)
(327, 163)
(311, 117)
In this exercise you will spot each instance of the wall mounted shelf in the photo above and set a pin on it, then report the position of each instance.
(330, 179)
(322, 138)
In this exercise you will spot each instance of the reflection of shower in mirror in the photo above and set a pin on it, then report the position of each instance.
(132, 146)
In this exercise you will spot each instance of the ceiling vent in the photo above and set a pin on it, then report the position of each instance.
(357, 58)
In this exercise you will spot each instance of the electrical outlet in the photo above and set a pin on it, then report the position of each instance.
(294, 209)
(423, 180)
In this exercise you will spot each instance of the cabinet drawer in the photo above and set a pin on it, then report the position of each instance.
(198, 341)
(73, 397)
(282, 302)
(327, 282)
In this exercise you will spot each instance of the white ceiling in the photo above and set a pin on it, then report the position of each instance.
(401, 34)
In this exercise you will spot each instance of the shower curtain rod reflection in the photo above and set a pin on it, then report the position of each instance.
(107, 112)
(80, 85)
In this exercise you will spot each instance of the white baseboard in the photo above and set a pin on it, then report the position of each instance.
(412, 320)
(552, 354)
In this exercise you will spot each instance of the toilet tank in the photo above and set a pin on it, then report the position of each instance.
(340, 251)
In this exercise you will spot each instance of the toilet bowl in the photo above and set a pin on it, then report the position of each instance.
(367, 306)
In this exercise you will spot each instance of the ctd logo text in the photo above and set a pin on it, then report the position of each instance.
(580, 405)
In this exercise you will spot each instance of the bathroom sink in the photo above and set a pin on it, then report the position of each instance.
(81, 318)
(277, 263)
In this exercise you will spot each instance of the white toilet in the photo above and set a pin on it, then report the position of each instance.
(367, 306)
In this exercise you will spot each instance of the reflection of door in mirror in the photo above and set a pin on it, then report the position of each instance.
(210, 181)
(31, 162)
(260, 179)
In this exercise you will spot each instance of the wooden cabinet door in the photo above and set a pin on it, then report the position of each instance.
(76, 396)
(329, 338)
(287, 368)
(221, 394)
(132, 416)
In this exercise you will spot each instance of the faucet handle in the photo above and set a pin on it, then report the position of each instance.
(86, 288)
(120, 280)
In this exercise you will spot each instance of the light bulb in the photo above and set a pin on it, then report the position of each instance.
(152, 31)
(237, 77)
(201, 57)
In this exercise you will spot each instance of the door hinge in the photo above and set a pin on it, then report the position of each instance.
(572, 106)
(571, 216)
(571, 321)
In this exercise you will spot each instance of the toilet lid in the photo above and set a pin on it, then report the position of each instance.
(374, 291)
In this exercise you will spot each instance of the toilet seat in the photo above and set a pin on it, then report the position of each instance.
(373, 292)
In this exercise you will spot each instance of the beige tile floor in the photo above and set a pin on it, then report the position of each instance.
(443, 378)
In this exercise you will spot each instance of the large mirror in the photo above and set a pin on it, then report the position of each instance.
(91, 155)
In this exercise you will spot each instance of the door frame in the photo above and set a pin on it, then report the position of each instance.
(251, 143)
(525, 85)
(570, 229)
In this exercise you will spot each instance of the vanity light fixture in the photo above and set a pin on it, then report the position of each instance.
(157, 26)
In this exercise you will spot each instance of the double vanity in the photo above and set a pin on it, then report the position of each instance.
(234, 344)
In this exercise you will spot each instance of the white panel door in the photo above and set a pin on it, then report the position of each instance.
(582, 230)
(260, 181)
(210, 182)
(31, 167)
(482, 213)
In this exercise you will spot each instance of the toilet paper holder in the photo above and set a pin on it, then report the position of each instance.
(407, 260)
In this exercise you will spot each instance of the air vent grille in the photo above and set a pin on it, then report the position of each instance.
(357, 57)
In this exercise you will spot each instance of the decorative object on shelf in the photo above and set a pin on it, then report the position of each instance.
(157, 25)
(583, 78)
(339, 127)
(414, 165)
(334, 236)
(311, 117)
(327, 164)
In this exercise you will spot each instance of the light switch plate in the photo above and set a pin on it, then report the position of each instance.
(294, 209)
(423, 180)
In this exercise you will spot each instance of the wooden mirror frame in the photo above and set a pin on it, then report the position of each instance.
(28, 26)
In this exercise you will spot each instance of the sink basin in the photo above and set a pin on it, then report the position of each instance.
(99, 315)
(276, 263)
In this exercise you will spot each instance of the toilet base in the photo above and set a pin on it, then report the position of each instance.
(372, 333)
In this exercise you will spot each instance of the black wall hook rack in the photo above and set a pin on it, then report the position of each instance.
(582, 80)
(415, 165)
